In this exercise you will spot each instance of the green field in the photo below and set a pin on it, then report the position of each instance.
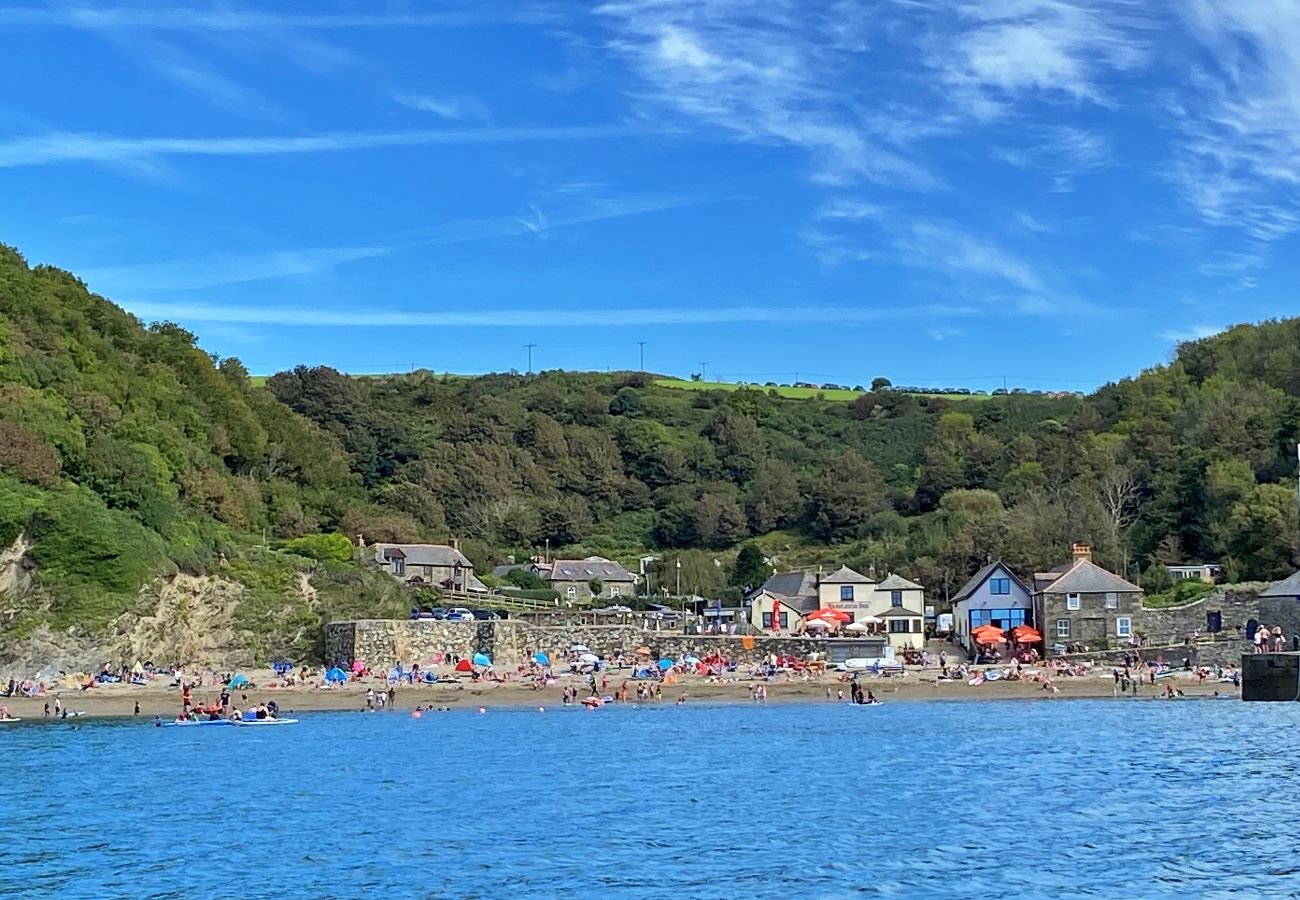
(792, 393)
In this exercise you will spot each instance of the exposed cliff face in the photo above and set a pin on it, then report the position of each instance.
(16, 569)
(189, 621)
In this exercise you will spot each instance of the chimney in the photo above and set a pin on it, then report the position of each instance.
(361, 541)
(1081, 551)
(454, 543)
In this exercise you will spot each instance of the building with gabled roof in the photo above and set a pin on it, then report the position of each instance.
(1082, 604)
(995, 596)
(572, 578)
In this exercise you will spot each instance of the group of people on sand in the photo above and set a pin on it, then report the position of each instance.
(1272, 641)
(221, 708)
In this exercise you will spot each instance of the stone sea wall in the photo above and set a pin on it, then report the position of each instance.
(386, 642)
(1169, 626)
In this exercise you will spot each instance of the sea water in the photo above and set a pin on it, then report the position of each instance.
(962, 799)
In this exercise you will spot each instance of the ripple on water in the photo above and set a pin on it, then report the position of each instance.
(1099, 799)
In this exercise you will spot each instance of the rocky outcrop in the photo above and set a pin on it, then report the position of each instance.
(189, 621)
(16, 569)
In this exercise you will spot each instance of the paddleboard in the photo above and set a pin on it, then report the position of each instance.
(247, 722)
(200, 724)
(8, 721)
(872, 703)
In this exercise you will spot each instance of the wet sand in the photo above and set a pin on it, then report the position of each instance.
(159, 698)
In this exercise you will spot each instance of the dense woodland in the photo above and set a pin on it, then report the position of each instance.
(126, 451)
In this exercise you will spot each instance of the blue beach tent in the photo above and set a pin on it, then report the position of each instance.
(482, 659)
(336, 675)
(541, 659)
(665, 664)
(237, 682)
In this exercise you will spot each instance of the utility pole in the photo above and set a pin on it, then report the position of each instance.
(641, 344)
(530, 357)
(679, 576)
(704, 368)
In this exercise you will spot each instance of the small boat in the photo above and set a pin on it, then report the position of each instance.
(202, 723)
(246, 722)
(871, 703)
(10, 719)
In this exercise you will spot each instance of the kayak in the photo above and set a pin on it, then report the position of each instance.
(246, 722)
(200, 724)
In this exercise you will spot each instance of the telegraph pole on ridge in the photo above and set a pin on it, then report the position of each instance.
(704, 371)
(641, 344)
(530, 347)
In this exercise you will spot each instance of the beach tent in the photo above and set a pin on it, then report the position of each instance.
(464, 666)
(482, 659)
(237, 682)
(665, 664)
(541, 659)
(137, 669)
(336, 676)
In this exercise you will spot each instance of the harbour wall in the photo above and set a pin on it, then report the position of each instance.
(386, 642)
(1170, 625)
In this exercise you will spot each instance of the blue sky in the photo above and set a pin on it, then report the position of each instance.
(938, 191)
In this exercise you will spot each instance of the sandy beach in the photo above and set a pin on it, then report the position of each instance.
(161, 698)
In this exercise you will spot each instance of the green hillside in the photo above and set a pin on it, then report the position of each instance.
(127, 453)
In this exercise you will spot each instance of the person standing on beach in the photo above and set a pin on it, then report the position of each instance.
(58, 706)
(137, 708)
(370, 699)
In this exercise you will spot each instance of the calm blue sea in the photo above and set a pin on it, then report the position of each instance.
(1078, 798)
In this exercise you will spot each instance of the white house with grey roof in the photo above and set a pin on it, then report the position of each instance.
(994, 596)
(572, 578)
(897, 603)
(437, 565)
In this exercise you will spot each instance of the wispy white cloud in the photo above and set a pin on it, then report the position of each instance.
(532, 318)
(766, 73)
(445, 106)
(1189, 333)
(237, 268)
(1238, 160)
(174, 18)
(63, 147)
(943, 246)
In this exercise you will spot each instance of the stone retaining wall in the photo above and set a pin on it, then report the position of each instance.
(386, 642)
(1170, 625)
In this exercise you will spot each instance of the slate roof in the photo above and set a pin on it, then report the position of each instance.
(423, 554)
(586, 569)
(896, 582)
(791, 584)
(845, 575)
(1086, 577)
(1287, 587)
(899, 612)
(982, 576)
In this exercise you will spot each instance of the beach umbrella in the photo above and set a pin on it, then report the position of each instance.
(692, 660)
(665, 664)
(870, 620)
(589, 658)
(579, 648)
(541, 659)
(990, 636)
(237, 682)
(856, 626)
(831, 615)
(358, 666)
(815, 625)
(336, 676)
(776, 615)
(482, 659)
(642, 651)
(1026, 635)
(464, 666)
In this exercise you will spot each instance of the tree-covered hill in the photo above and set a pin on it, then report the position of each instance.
(127, 453)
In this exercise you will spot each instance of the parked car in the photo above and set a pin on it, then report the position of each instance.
(438, 612)
(459, 614)
(486, 615)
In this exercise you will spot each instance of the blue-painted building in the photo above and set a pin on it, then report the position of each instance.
(993, 596)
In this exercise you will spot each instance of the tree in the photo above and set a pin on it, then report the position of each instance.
(595, 585)
(750, 569)
(847, 493)
(880, 384)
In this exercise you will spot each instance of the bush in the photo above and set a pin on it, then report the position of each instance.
(321, 547)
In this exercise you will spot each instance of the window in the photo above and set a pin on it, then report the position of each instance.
(916, 626)
(895, 598)
(399, 566)
(1062, 627)
(572, 592)
(846, 592)
(899, 626)
(615, 590)
(999, 585)
(1071, 601)
(1124, 627)
(767, 620)
(1112, 600)
(1000, 618)
(785, 621)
